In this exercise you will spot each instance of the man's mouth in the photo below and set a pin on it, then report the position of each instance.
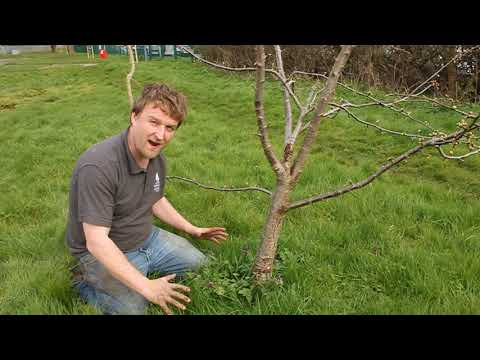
(154, 144)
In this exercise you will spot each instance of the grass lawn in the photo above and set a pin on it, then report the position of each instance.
(406, 244)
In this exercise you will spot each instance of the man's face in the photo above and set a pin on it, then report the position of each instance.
(151, 131)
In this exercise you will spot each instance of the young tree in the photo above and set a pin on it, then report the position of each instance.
(130, 74)
(289, 165)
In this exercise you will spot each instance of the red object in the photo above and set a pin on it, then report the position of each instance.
(103, 54)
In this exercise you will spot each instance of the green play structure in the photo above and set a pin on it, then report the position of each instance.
(145, 52)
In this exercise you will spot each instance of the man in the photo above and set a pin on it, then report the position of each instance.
(116, 187)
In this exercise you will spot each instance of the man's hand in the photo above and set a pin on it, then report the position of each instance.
(215, 234)
(162, 292)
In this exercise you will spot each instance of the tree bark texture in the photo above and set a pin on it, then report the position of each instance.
(325, 98)
(265, 257)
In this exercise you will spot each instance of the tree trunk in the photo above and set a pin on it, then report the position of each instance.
(452, 73)
(53, 48)
(263, 266)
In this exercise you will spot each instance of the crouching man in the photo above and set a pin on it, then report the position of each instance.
(116, 187)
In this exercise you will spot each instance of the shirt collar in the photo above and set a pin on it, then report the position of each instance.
(133, 167)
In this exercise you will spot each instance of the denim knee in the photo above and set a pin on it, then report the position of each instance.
(200, 260)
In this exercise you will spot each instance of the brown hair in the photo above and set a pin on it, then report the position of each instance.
(171, 102)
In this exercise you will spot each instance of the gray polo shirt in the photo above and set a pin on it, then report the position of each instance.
(109, 189)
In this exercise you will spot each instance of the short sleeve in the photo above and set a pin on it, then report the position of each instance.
(96, 196)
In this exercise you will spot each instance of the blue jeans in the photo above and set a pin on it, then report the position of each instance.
(163, 252)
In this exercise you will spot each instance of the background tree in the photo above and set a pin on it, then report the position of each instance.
(451, 51)
(398, 68)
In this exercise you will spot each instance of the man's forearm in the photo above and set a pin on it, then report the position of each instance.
(167, 213)
(105, 251)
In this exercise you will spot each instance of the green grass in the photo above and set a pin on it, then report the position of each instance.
(406, 244)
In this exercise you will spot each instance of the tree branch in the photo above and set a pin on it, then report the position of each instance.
(259, 110)
(307, 109)
(434, 101)
(407, 96)
(376, 101)
(223, 67)
(250, 188)
(344, 108)
(360, 184)
(435, 141)
(286, 95)
(130, 75)
(455, 58)
(411, 94)
(327, 94)
(439, 148)
(326, 114)
(271, 71)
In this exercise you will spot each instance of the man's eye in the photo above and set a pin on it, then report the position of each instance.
(171, 128)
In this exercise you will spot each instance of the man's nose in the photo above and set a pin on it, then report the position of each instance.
(160, 133)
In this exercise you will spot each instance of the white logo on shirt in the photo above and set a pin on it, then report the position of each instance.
(156, 185)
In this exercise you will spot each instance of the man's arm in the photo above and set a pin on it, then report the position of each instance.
(159, 291)
(163, 210)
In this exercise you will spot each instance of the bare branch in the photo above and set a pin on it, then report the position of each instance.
(199, 58)
(344, 108)
(435, 141)
(286, 95)
(455, 58)
(348, 104)
(401, 50)
(411, 94)
(362, 183)
(136, 53)
(262, 126)
(457, 157)
(406, 97)
(130, 75)
(286, 85)
(312, 98)
(307, 109)
(271, 71)
(434, 101)
(327, 94)
(327, 114)
(250, 188)
(376, 101)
